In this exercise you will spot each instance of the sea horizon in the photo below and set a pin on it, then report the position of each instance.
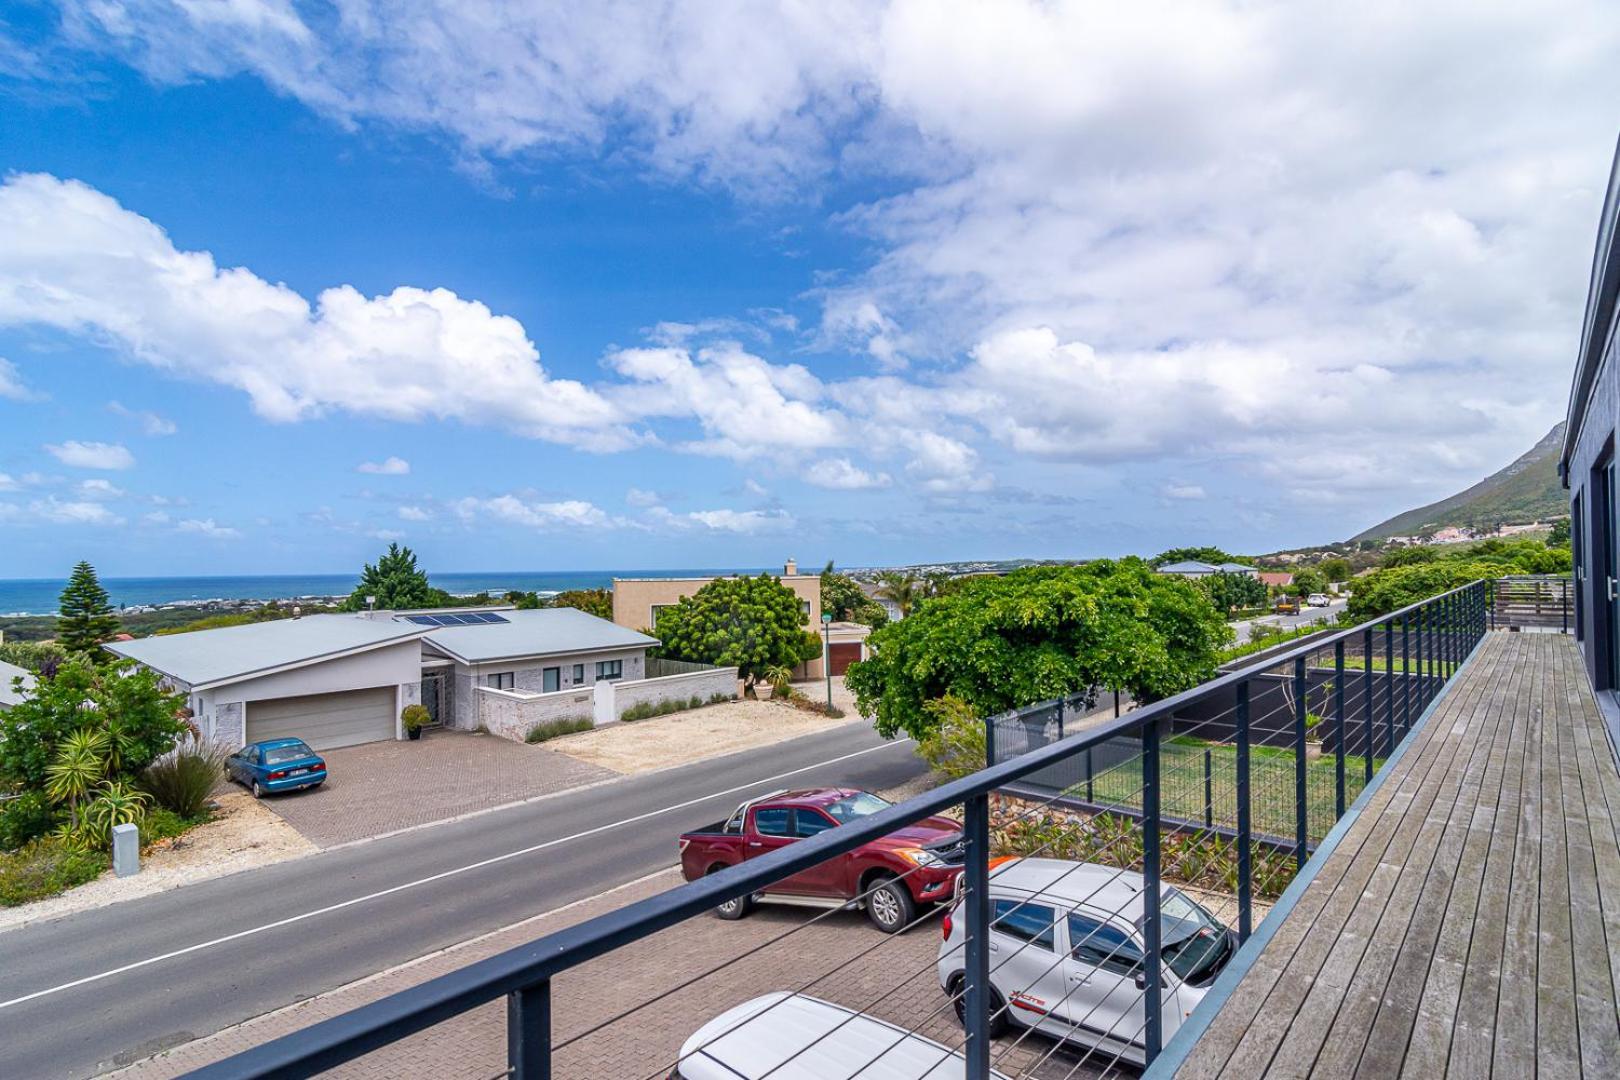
(24, 597)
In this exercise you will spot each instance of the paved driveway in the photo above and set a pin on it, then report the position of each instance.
(381, 787)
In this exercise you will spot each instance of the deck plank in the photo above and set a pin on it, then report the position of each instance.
(1468, 924)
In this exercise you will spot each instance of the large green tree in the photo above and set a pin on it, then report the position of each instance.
(598, 602)
(396, 583)
(1228, 591)
(1336, 569)
(129, 706)
(85, 617)
(843, 599)
(998, 643)
(754, 623)
(1558, 536)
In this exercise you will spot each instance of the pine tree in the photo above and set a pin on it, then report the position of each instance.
(395, 583)
(85, 618)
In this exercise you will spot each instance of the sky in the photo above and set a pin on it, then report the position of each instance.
(639, 285)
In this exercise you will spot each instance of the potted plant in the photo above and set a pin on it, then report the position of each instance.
(415, 718)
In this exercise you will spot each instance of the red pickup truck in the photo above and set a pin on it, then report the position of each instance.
(918, 864)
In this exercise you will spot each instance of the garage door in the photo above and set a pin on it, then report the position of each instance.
(325, 721)
(843, 655)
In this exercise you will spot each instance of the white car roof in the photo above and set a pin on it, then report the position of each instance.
(1060, 881)
(741, 1042)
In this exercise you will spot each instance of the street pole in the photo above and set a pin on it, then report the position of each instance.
(826, 656)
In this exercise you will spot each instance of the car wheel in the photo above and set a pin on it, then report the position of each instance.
(1000, 1018)
(734, 908)
(890, 907)
(258, 792)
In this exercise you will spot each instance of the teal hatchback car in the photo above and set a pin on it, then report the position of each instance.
(276, 765)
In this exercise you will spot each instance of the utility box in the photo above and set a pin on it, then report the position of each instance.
(126, 853)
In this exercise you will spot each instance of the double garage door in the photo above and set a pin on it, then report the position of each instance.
(842, 654)
(325, 721)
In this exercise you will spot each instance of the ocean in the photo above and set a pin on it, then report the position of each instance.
(38, 596)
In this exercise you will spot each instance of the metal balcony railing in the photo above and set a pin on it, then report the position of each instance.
(1256, 764)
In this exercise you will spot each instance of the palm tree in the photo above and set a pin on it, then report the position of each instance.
(903, 590)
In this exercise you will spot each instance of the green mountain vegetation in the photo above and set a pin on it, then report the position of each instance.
(1525, 491)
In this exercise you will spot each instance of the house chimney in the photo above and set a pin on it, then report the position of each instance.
(791, 568)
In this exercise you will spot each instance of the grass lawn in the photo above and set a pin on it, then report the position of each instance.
(1271, 785)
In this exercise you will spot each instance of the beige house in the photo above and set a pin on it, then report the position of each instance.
(637, 602)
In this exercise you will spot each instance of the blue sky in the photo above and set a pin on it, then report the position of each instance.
(698, 286)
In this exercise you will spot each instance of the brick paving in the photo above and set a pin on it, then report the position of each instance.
(385, 786)
(894, 979)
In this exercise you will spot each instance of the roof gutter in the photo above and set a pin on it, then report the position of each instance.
(1598, 326)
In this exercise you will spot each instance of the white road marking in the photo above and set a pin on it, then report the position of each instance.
(240, 934)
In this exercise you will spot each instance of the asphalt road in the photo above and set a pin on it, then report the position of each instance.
(88, 992)
(1306, 617)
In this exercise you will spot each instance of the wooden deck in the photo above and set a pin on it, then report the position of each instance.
(1468, 922)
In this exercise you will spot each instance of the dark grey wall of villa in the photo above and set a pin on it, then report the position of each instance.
(1591, 451)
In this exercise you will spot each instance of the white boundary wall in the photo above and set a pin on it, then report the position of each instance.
(701, 684)
(511, 713)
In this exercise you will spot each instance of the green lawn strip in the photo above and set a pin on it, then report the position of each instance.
(1271, 786)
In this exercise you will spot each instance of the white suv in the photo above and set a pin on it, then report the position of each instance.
(1066, 951)
(1317, 599)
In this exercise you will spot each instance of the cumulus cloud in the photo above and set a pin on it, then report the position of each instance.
(639, 497)
(1185, 492)
(92, 455)
(840, 474)
(100, 489)
(151, 423)
(568, 513)
(414, 513)
(55, 511)
(77, 260)
(208, 527)
(740, 521)
(11, 383)
(393, 466)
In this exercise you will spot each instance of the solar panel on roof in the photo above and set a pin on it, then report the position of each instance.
(422, 620)
(490, 617)
(453, 620)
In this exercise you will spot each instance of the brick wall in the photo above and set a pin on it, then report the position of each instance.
(511, 713)
(702, 684)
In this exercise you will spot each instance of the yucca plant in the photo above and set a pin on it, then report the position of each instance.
(116, 803)
(81, 763)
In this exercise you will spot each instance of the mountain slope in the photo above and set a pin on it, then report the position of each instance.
(1527, 490)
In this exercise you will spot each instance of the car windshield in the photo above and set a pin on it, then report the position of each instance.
(1195, 943)
(280, 755)
(851, 807)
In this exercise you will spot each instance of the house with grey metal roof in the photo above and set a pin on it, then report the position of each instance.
(15, 684)
(341, 679)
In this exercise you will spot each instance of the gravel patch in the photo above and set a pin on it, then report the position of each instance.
(243, 835)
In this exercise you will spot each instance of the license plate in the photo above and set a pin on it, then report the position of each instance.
(296, 772)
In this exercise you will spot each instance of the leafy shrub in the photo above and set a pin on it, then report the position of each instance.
(27, 817)
(955, 746)
(161, 824)
(716, 699)
(550, 729)
(44, 868)
(115, 804)
(182, 780)
(415, 717)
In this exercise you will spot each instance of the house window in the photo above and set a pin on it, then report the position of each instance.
(804, 606)
(579, 674)
(610, 669)
(551, 679)
(500, 680)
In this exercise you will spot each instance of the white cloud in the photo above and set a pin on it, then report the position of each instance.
(92, 455)
(155, 517)
(840, 474)
(731, 521)
(7, 483)
(151, 423)
(570, 513)
(11, 384)
(386, 534)
(1185, 492)
(414, 513)
(55, 511)
(100, 489)
(77, 260)
(209, 528)
(641, 498)
(392, 466)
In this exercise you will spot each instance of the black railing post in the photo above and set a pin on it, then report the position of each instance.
(1300, 823)
(1209, 792)
(1060, 711)
(528, 1032)
(1338, 729)
(1406, 675)
(989, 741)
(1417, 657)
(1367, 746)
(976, 902)
(1245, 884)
(1563, 605)
(1154, 997)
(1090, 795)
(1389, 688)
